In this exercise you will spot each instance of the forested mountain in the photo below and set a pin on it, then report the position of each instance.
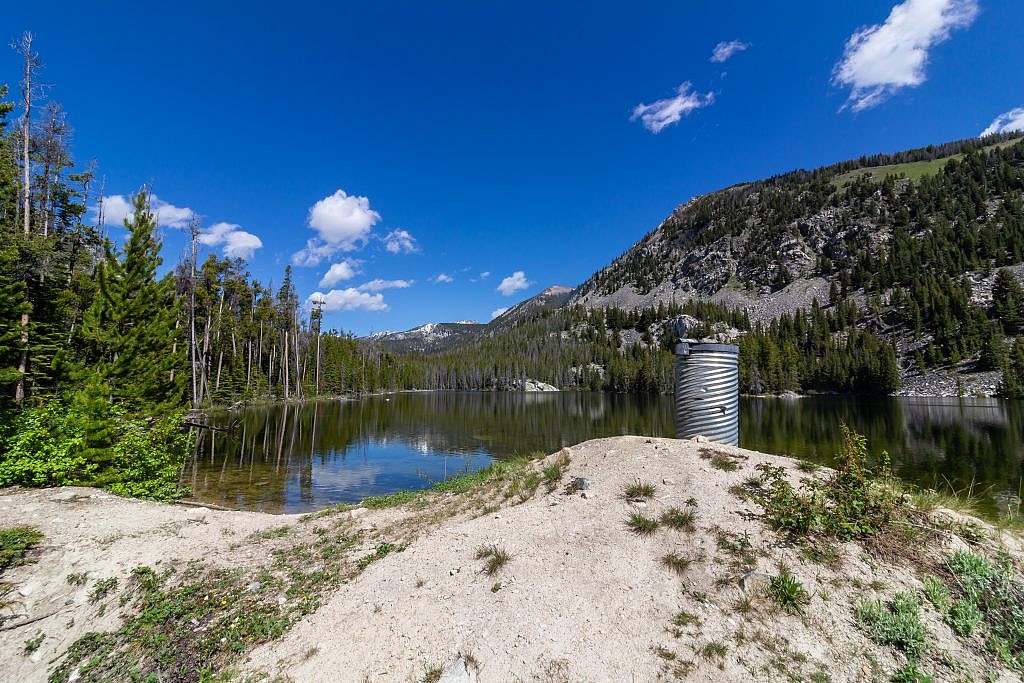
(427, 338)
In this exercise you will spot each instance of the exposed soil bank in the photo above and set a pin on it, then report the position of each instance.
(582, 596)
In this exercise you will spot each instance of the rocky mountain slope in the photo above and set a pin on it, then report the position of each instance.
(427, 338)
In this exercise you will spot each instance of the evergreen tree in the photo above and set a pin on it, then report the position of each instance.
(1008, 301)
(131, 323)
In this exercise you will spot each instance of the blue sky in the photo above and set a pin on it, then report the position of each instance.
(410, 140)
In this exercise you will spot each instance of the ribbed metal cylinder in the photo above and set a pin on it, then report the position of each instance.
(707, 392)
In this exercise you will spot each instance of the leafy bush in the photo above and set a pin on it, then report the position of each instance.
(937, 592)
(50, 445)
(855, 501)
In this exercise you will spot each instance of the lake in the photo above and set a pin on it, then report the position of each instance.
(304, 457)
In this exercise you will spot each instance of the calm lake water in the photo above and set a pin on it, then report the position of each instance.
(306, 457)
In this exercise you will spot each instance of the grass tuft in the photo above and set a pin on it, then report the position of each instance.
(681, 520)
(641, 525)
(639, 490)
(676, 562)
(898, 623)
(15, 542)
(787, 592)
(496, 558)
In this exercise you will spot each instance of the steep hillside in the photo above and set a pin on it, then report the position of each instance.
(550, 299)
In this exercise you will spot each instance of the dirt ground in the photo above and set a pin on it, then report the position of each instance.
(582, 597)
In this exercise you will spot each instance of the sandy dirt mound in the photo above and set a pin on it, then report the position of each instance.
(94, 536)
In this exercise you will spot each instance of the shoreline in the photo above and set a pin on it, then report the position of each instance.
(579, 593)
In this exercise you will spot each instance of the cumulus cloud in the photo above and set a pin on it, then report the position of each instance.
(882, 59)
(1006, 122)
(400, 242)
(342, 222)
(661, 113)
(378, 284)
(350, 299)
(118, 207)
(726, 49)
(346, 270)
(513, 283)
(442, 277)
(498, 311)
(234, 243)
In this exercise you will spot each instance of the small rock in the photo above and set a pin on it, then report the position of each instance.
(752, 582)
(668, 482)
(64, 496)
(27, 590)
(197, 515)
(454, 571)
(254, 586)
(638, 503)
(457, 673)
(281, 600)
(358, 512)
(580, 484)
(700, 439)
(75, 675)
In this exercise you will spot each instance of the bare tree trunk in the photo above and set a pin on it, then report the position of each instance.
(285, 363)
(194, 232)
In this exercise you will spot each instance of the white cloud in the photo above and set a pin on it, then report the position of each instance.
(484, 275)
(882, 59)
(442, 277)
(726, 49)
(342, 222)
(513, 283)
(498, 311)
(234, 243)
(1007, 122)
(346, 270)
(117, 208)
(657, 115)
(378, 284)
(400, 242)
(350, 299)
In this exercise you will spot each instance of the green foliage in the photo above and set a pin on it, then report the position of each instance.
(641, 525)
(639, 490)
(14, 543)
(856, 500)
(681, 520)
(46, 446)
(897, 623)
(992, 601)
(787, 592)
(911, 674)
(102, 589)
(32, 644)
(937, 592)
(496, 558)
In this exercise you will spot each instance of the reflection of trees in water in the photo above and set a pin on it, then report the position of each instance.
(281, 450)
(932, 442)
(272, 445)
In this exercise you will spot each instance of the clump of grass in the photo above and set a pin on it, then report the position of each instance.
(898, 624)
(554, 472)
(683, 619)
(911, 673)
(15, 542)
(676, 562)
(714, 650)
(76, 578)
(102, 588)
(432, 674)
(720, 461)
(964, 617)
(807, 466)
(681, 520)
(787, 592)
(664, 653)
(641, 525)
(496, 558)
(639, 490)
(32, 644)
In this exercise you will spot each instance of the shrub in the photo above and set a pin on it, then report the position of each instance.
(993, 599)
(855, 501)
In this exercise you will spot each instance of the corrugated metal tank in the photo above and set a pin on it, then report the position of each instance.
(707, 391)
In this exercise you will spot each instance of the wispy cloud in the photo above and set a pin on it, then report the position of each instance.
(661, 113)
(342, 222)
(350, 299)
(400, 242)
(484, 275)
(346, 270)
(442, 277)
(1006, 122)
(378, 285)
(726, 49)
(498, 311)
(882, 59)
(514, 283)
(234, 243)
